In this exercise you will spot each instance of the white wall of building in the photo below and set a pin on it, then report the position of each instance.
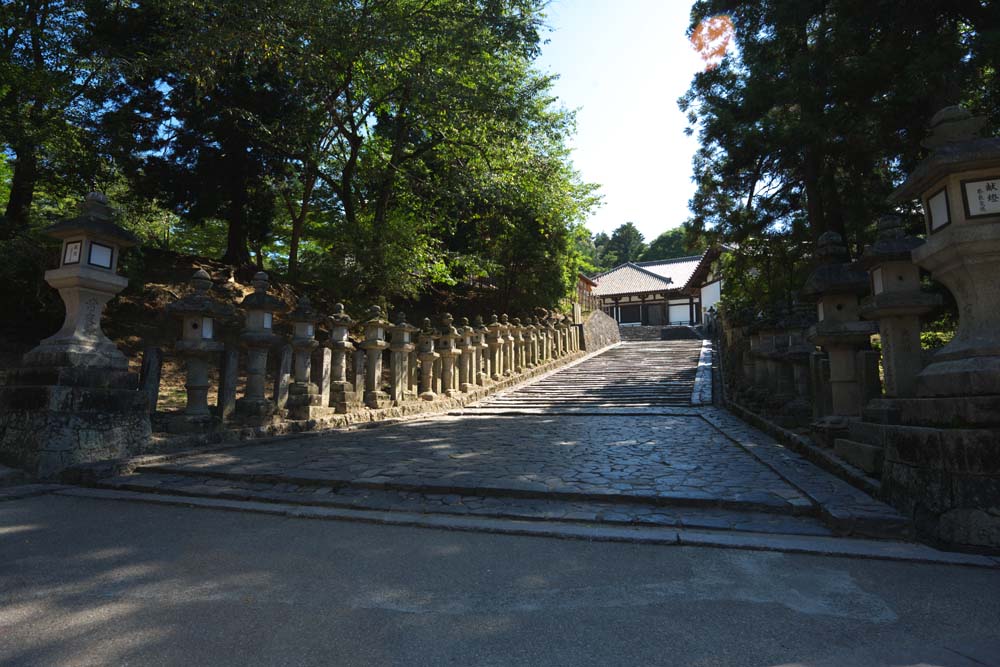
(710, 295)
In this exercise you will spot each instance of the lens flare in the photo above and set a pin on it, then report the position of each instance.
(711, 39)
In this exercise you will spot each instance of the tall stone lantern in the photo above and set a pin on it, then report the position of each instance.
(304, 393)
(897, 303)
(508, 346)
(959, 187)
(74, 400)
(373, 345)
(342, 392)
(836, 286)
(258, 337)
(482, 357)
(401, 345)
(468, 348)
(87, 279)
(427, 356)
(450, 354)
(495, 340)
(198, 313)
(942, 453)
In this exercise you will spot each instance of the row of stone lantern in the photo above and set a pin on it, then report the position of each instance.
(425, 363)
(931, 435)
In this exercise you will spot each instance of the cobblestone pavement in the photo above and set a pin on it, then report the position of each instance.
(570, 460)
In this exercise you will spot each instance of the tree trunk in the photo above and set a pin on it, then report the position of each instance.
(814, 197)
(237, 252)
(22, 191)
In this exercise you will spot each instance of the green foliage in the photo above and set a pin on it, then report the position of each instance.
(932, 340)
(817, 114)
(388, 148)
(625, 245)
(673, 243)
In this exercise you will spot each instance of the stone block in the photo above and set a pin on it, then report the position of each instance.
(866, 457)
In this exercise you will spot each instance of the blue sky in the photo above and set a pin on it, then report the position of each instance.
(623, 65)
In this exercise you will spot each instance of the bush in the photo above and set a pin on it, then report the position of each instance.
(932, 340)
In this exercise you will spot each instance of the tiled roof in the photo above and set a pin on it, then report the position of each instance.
(643, 277)
(630, 279)
(677, 270)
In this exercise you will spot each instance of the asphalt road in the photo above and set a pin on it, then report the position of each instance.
(88, 582)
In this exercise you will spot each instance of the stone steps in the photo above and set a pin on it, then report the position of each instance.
(653, 374)
(760, 502)
(546, 507)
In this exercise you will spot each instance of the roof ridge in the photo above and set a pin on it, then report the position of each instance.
(668, 261)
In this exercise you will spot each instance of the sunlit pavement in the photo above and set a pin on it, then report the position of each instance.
(90, 582)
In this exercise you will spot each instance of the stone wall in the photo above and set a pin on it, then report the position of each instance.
(599, 330)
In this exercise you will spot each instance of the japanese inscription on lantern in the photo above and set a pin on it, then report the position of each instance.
(982, 197)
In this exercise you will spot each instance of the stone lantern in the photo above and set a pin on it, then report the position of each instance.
(401, 345)
(896, 303)
(942, 448)
(87, 279)
(836, 286)
(959, 187)
(373, 345)
(304, 393)
(482, 357)
(508, 346)
(531, 342)
(449, 352)
(342, 392)
(74, 400)
(258, 337)
(467, 347)
(517, 333)
(552, 324)
(495, 340)
(198, 313)
(428, 356)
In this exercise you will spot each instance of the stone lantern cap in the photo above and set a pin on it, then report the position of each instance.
(891, 245)
(260, 299)
(478, 324)
(304, 312)
(955, 145)
(427, 328)
(448, 329)
(96, 219)
(399, 323)
(340, 318)
(198, 302)
(375, 318)
(835, 274)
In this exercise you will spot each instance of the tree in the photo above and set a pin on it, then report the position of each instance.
(673, 243)
(48, 66)
(817, 114)
(625, 245)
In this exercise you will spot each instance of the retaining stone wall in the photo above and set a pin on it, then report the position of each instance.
(599, 330)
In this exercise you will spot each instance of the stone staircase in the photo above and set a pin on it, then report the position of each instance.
(639, 333)
(650, 333)
(632, 375)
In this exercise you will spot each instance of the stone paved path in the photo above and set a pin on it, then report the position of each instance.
(606, 440)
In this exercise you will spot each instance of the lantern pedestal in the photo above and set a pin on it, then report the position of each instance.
(73, 400)
(967, 260)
